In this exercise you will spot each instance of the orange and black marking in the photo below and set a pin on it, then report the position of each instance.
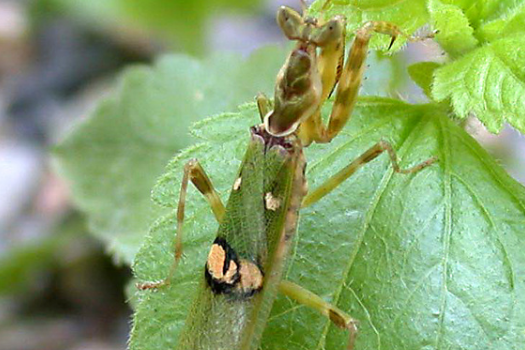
(226, 273)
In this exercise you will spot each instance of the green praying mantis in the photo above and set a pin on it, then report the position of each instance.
(244, 269)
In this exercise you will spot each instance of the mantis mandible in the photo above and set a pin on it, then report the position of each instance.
(243, 271)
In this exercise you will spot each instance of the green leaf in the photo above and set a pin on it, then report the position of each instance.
(478, 12)
(512, 22)
(455, 34)
(408, 15)
(431, 260)
(113, 158)
(489, 82)
(422, 74)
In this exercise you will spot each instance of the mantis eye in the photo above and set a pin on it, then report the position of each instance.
(290, 22)
(331, 31)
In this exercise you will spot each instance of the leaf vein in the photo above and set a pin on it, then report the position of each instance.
(447, 188)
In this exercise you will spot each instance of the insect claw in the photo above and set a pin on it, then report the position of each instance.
(391, 42)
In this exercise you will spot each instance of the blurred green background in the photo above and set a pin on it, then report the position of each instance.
(59, 286)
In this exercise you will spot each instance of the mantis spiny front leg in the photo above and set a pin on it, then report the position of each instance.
(299, 97)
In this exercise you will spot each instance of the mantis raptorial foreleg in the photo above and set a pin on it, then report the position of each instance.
(195, 173)
(369, 155)
(349, 82)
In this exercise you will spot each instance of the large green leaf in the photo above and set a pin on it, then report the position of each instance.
(432, 260)
(113, 158)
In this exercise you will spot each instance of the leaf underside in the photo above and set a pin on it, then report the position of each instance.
(431, 260)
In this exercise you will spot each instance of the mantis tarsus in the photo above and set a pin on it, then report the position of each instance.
(243, 272)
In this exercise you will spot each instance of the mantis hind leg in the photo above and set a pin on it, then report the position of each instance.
(369, 155)
(307, 298)
(195, 173)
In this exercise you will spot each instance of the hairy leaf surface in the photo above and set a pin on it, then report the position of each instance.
(485, 75)
(488, 82)
(512, 22)
(455, 33)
